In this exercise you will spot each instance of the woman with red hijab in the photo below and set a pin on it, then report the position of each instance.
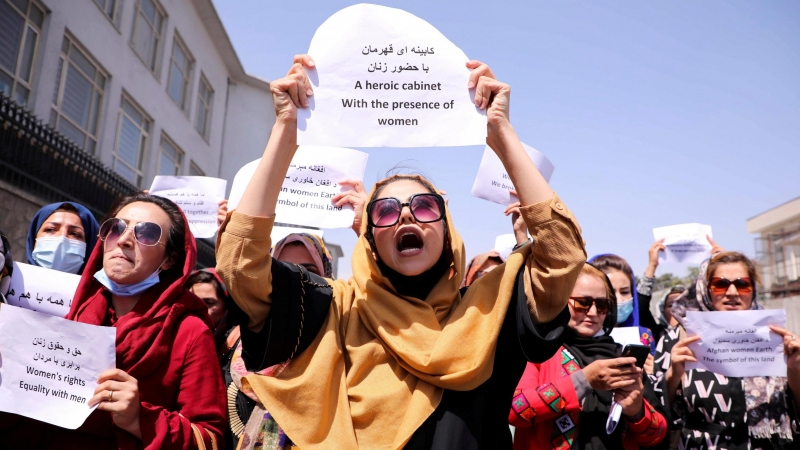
(160, 395)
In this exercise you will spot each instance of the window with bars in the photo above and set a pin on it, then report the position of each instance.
(148, 25)
(78, 96)
(195, 170)
(205, 100)
(133, 131)
(180, 73)
(20, 27)
(169, 163)
(111, 9)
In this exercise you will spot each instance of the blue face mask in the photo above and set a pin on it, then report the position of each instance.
(59, 253)
(624, 310)
(127, 290)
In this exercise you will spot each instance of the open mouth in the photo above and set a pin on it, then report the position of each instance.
(731, 304)
(409, 242)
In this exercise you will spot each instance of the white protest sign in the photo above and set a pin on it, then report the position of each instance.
(626, 336)
(686, 243)
(198, 197)
(737, 343)
(279, 232)
(312, 180)
(44, 290)
(386, 78)
(51, 365)
(504, 245)
(492, 181)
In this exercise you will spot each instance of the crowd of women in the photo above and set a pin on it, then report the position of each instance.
(418, 349)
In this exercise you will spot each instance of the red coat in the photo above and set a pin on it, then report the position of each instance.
(166, 343)
(545, 410)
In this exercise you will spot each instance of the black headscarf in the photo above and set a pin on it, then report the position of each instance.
(6, 265)
(594, 412)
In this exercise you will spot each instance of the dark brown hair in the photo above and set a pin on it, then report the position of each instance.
(202, 276)
(176, 237)
(609, 261)
(732, 258)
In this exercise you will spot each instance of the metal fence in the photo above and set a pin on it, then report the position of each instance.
(38, 160)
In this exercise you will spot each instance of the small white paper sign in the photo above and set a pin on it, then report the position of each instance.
(198, 198)
(686, 243)
(51, 365)
(44, 290)
(504, 245)
(493, 183)
(279, 233)
(737, 343)
(312, 180)
(386, 78)
(626, 336)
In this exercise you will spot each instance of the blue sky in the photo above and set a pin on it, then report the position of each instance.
(654, 113)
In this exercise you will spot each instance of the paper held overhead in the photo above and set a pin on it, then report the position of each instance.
(386, 78)
(313, 179)
(504, 245)
(44, 290)
(198, 198)
(492, 181)
(686, 243)
(51, 365)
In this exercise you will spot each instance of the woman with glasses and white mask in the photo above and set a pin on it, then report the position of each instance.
(165, 392)
(730, 413)
(396, 356)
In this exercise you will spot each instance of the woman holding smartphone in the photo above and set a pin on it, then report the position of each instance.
(566, 400)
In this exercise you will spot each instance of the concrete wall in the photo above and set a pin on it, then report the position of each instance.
(792, 307)
(16, 212)
(251, 115)
(110, 47)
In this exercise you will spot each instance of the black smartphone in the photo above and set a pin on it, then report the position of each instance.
(637, 351)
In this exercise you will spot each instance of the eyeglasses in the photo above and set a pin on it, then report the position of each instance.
(584, 304)
(385, 212)
(720, 285)
(146, 233)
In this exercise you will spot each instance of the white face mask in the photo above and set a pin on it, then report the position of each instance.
(59, 253)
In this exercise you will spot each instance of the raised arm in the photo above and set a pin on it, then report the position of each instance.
(557, 253)
(243, 243)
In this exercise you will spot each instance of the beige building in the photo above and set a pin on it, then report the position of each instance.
(778, 248)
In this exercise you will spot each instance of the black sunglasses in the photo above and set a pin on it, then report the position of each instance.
(386, 212)
(584, 304)
(146, 233)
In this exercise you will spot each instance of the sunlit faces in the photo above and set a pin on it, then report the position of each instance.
(62, 223)
(408, 247)
(621, 284)
(589, 323)
(207, 293)
(297, 253)
(126, 261)
(732, 299)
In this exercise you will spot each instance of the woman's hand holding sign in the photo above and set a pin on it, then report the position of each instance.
(791, 348)
(292, 91)
(118, 393)
(681, 353)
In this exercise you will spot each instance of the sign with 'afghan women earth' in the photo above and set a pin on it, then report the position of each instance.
(44, 290)
(737, 343)
(386, 78)
(312, 180)
(493, 183)
(50, 365)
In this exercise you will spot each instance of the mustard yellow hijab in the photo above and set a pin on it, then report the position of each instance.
(379, 366)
